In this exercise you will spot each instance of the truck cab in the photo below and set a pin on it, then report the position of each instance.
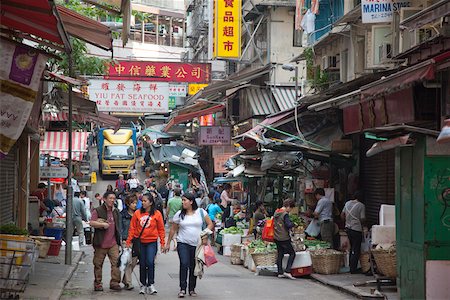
(117, 151)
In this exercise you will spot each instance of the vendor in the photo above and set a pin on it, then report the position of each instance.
(324, 213)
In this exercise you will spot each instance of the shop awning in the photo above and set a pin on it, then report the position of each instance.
(336, 101)
(86, 29)
(104, 120)
(62, 116)
(260, 101)
(56, 144)
(38, 18)
(427, 15)
(80, 105)
(284, 96)
(191, 115)
(270, 120)
(63, 78)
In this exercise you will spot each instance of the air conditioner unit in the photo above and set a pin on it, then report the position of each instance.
(385, 52)
(407, 38)
(329, 62)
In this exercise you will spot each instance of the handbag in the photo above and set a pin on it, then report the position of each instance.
(210, 257)
(136, 241)
(268, 231)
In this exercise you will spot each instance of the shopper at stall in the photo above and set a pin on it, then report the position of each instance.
(79, 215)
(282, 238)
(106, 221)
(147, 223)
(324, 213)
(259, 215)
(213, 210)
(354, 214)
(188, 224)
(87, 204)
(127, 214)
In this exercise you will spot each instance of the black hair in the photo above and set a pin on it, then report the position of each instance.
(83, 192)
(357, 195)
(177, 192)
(289, 203)
(319, 191)
(76, 194)
(211, 194)
(152, 200)
(42, 185)
(226, 186)
(191, 198)
(107, 193)
(97, 194)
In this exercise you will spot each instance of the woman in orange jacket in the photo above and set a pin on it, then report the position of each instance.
(149, 216)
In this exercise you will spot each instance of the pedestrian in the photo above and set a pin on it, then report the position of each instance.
(354, 214)
(259, 215)
(213, 210)
(173, 206)
(147, 223)
(110, 188)
(106, 221)
(79, 215)
(226, 199)
(188, 224)
(99, 198)
(133, 181)
(282, 238)
(121, 184)
(87, 204)
(324, 213)
(127, 214)
(159, 202)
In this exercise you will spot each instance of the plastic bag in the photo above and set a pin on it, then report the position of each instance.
(125, 258)
(365, 245)
(210, 257)
(268, 231)
(313, 228)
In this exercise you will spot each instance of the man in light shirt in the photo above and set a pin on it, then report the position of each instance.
(324, 213)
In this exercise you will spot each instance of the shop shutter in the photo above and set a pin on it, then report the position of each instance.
(8, 179)
(377, 181)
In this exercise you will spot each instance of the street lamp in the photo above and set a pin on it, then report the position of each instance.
(290, 68)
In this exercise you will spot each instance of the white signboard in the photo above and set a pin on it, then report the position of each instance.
(53, 172)
(381, 11)
(177, 90)
(130, 96)
(214, 135)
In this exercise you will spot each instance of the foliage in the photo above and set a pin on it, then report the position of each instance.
(142, 16)
(11, 228)
(90, 11)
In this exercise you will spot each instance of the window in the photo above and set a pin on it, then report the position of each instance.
(381, 43)
(119, 152)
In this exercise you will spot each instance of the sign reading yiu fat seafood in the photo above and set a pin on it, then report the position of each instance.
(380, 11)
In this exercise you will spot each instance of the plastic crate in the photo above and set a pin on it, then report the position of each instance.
(55, 246)
(57, 233)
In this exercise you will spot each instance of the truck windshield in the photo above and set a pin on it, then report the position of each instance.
(119, 152)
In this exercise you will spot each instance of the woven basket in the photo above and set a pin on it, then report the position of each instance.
(386, 261)
(365, 262)
(265, 259)
(235, 257)
(327, 263)
(43, 247)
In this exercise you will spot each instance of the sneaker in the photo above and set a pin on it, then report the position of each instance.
(129, 287)
(151, 289)
(281, 276)
(98, 288)
(142, 290)
(289, 275)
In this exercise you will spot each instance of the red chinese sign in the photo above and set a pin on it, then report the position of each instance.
(159, 71)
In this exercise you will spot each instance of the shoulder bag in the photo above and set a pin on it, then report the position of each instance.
(136, 242)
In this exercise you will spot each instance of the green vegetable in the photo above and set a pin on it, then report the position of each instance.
(232, 230)
(262, 247)
(296, 220)
(11, 228)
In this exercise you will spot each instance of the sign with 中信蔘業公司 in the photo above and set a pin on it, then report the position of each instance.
(195, 87)
(177, 90)
(381, 11)
(159, 71)
(214, 135)
(53, 172)
(227, 29)
(130, 96)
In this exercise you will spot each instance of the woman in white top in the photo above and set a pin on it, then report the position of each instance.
(188, 223)
(133, 182)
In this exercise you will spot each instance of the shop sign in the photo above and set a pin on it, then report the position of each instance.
(53, 172)
(195, 87)
(21, 70)
(172, 102)
(177, 90)
(130, 96)
(227, 26)
(381, 11)
(220, 160)
(159, 71)
(215, 135)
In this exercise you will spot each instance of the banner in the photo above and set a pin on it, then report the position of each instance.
(214, 135)
(195, 87)
(21, 70)
(130, 96)
(227, 19)
(380, 11)
(159, 71)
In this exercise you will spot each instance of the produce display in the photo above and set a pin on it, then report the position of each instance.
(11, 228)
(262, 247)
(326, 252)
(296, 220)
(316, 244)
(232, 230)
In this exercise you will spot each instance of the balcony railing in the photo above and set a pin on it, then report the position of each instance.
(150, 37)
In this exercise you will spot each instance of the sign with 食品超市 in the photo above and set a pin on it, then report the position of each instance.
(130, 96)
(214, 135)
(381, 11)
(227, 29)
(159, 71)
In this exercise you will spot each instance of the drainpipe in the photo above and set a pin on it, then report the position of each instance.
(69, 205)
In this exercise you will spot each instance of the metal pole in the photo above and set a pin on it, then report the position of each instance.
(296, 105)
(69, 224)
(48, 182)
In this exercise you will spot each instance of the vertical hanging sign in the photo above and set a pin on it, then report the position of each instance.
(227, 35)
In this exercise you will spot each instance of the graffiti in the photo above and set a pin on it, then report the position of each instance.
(442, 194)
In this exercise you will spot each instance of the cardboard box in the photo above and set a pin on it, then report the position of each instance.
(342, 146)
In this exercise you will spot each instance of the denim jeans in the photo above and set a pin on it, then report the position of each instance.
(285, 247)
(147, 263)
(186, 253)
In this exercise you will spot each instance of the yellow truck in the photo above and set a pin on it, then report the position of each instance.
(116, 151)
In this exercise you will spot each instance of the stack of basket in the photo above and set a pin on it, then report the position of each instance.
(235, 257)
(386, 260)
(265, 259)
(327, 261)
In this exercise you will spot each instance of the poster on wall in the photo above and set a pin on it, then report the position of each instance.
(21, 70)
(129, 96)
(381, 11)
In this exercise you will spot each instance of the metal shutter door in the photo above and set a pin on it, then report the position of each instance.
(8, 179)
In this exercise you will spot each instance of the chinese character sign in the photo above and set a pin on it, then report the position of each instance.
(195, 87)
(380, 11)
(159, 71)
(177, 90)
(130, 96)
(227, 28)
(214, 135)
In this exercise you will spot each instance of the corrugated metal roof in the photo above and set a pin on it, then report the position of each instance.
(260, 101)
(284, 96)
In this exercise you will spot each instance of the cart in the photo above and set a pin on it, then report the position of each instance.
(17, 259)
